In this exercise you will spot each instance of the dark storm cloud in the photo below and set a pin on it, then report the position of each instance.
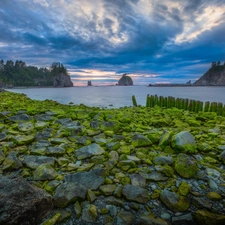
(173, 39)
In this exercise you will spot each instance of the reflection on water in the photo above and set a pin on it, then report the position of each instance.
(119, 96)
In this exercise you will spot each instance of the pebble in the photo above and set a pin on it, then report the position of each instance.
(165, 216)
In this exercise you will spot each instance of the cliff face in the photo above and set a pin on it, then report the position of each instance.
(62, 80)
(125, 80)
(215, 76)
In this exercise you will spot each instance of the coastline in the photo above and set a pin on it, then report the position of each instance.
(133, 155)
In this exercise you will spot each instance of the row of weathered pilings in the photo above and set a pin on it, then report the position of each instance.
(183, 103)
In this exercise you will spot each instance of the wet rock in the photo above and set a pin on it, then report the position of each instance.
(150, 220)
(11, 162)
(154, 176)
(161, 160)
(55, 151)
(67, 193)
(138, 180)
(184, 141)
(89, 213)
(222, 156)
(114, 201)
(44, 117)
(2, 156)
(23, 139)
(3, 136)
(201, 203)
(139, 140)
(22, 203)
(26, 127)
(45, 172)
(45, 134)
(186, 219)
(124, 218)
(91, 180)
(136, 194)
(89, 151)
(186, 166)
(174, 202)
(20, 117)
(203, 217)
(33, 162)
(107, 189)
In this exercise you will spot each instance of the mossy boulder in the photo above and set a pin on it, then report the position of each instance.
(140, 140)
(204, 217)
(174, 202)
(186, 166)
(184, 142)
(45, 172)
(23, 139)
(165, 139)
(89, 213)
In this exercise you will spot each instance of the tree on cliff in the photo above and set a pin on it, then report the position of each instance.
(58, 68)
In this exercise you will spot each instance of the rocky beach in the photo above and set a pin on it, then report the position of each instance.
(73, 164)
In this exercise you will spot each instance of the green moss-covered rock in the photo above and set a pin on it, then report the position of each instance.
(214, 196)
(184, 142)
(174, 202)
(45, 172)
(23, 139)
(186, 166)
(107, 189)
(139, 140)
(184, 189)
(89, 213)
(165, 140)
(204, 217)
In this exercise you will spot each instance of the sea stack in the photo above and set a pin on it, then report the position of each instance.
(89, 83)
(125, 80)
(215, 76)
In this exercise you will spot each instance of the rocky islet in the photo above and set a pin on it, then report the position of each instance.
(65, 164)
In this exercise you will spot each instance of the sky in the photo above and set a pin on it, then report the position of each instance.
(166, 41)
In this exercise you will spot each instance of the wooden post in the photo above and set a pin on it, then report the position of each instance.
(147, 101)
(220, 109)
(223, 110)
(206, 106)
(134, 101)
(185, 104)
(213, 107)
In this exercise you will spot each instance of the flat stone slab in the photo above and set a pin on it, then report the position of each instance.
(88, 179)
(89, 151)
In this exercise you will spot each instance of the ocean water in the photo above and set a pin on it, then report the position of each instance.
(120, 96)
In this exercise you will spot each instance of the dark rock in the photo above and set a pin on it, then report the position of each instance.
(90, 180)
(161, 160)
(22, 203)
(89, 151)
(136, 194)
(139, 140)
(174, 202)
(62, 80)
(201, 203)
(214, 76)
(89, 213)
(138, 180)
(183, 219)
(154, 176)
(11, 162)
(203, 217)
(186, 166)
(3, 136)
(150, 220)
(69, 192)
(56, 151)
(124, 218)
(20, 117)
(125, 80)
(33, 162)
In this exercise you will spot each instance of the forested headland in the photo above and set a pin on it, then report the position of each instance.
(19, 74)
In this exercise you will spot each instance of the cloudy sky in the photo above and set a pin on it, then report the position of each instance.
(152, 41)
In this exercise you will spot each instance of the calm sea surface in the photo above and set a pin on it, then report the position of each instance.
(118, 96)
